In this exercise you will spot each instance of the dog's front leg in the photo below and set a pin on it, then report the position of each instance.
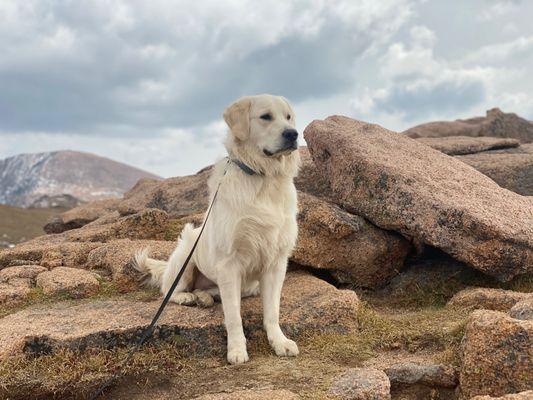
(230, 294)
(270, 284)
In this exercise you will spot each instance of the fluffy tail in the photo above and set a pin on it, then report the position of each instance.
(156, 268)
(152, 269)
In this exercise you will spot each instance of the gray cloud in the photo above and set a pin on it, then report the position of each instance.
(146, 82)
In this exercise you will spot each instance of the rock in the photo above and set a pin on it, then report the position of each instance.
(81, 215)
(457, 145)
(402, 185)
(252, 395)
(432, 375)
(117, 257)
(308, 305)
(497, 355)
(74, 282)
(510, 168)
(16, 283)
(523, 309)
(309, 180)
(21, 271)
(496, 124)
(146, 224)
(361, 384)
(352, 249)
(47, 252)
(489, 299)
(527, 395)
(178, 197)
(415, 380)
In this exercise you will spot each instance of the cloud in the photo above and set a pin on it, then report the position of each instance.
(108, 66)
(146, 82)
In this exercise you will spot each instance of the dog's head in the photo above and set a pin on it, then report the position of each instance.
(265, 123)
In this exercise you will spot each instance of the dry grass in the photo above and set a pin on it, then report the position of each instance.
(21, 224)
(67, 372)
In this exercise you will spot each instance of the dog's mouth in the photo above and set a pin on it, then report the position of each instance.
(283, 151)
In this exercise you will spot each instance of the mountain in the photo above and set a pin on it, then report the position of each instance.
(26, 179)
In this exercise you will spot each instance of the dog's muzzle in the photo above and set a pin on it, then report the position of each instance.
(290, 143)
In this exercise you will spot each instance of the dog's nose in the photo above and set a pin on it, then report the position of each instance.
(290, 134)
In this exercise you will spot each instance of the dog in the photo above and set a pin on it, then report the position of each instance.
(252, 229)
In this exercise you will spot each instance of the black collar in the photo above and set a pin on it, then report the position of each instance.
(245, 168)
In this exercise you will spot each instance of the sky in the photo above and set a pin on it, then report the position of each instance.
(146, 82)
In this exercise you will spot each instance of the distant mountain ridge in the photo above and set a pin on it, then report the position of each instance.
(25, 178)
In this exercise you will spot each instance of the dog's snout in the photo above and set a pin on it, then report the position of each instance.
(290, 134)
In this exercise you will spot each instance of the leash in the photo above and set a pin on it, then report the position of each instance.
(149, 331)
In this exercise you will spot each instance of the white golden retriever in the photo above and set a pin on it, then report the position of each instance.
(252, 227)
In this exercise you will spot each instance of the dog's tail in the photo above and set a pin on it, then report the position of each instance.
(156, 268)
(151, 268)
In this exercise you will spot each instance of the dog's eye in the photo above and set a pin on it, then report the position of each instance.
(288, 116)
(266, 117)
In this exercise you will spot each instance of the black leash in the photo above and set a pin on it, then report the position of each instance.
(148, 332)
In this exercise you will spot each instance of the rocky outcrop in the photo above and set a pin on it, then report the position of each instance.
(16, 283)
(496, 123)
(431, 375)
(488, 299)
(497, 355)
(523, 309)
(361, 384)
(72, 282)
(81, 215)
(458, 145)
(352, 249)
(308, 305)
(402, 185)
(510, 168)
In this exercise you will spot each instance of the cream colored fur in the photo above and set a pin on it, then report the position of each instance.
(252, 228)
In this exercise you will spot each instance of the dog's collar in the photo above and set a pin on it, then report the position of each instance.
(245, 168)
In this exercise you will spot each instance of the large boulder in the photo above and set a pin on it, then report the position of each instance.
(510, 168)
(352, 249)
(405, 186)
(497, 355)
(457, 145)
(496, 123)
(308, 305)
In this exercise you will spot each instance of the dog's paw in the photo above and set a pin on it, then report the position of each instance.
(184, 298)
(237, 356)
(204, 299)
(285, 348)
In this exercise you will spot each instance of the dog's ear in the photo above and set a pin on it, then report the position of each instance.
(237, 116)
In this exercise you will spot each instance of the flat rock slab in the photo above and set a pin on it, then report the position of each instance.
(497, 355)
(308, 305)
(402, 185)
(458, 145)
(432, 375)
